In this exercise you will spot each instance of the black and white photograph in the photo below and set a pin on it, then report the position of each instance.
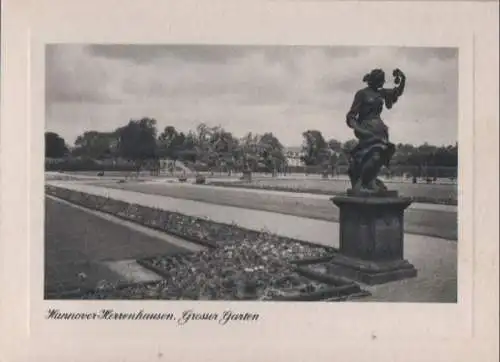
(203, 172)
(249, 181)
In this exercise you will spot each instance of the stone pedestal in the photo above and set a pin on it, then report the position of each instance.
(371, 238)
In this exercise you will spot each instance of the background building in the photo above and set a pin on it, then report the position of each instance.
(293, 156)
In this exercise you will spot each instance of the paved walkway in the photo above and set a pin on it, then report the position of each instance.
(298, 195)
(429, 221)
(434, 258)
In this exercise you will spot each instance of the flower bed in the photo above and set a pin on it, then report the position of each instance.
(302, 289)
(195, 229)
(246, 185)
(103, 287)
(61, 177)
(232, 272)
(249, 270)
(240, 265)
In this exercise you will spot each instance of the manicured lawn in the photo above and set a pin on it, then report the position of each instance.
(433, 193)
(76, 241)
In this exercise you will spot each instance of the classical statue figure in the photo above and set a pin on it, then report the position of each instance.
(373, 149)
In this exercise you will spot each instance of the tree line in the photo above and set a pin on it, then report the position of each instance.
(330, 153)
(139, 141)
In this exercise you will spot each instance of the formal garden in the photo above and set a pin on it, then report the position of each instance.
(236, 264)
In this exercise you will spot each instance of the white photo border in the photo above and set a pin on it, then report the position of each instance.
(347, 331)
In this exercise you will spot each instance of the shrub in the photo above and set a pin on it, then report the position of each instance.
(200, 179)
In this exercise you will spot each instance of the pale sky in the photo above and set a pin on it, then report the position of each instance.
(284, 90)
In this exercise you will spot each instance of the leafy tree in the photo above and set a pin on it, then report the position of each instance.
(335, 148)
(95, 145)
(224, 147)
(137, 141)
(167, 141)
(172, 144)
(215, 146)
(403, 154)
(348, 146)
(55, 146)
(345, 150)
(203, 139)
(271, 152)
(187, 150)
(425, 156)
(314, 148)
(249, 152)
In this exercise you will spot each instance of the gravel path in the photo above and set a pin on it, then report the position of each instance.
(438, 222)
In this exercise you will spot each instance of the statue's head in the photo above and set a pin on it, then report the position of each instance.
(375, 79)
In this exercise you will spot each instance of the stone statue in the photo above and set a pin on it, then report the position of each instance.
(373, 149)
(371, 232)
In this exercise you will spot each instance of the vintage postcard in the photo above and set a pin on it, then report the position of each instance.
(224, 178)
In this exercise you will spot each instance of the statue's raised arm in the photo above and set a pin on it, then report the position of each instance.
(392, 95)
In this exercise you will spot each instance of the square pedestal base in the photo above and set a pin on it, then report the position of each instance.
(371, 238)
(369, 272)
